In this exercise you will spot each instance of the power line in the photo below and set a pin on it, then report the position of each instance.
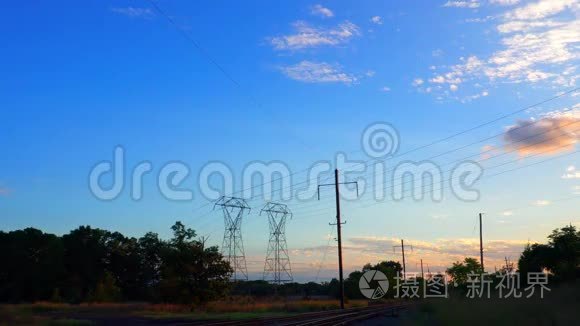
(468, 145)
(441, 188)
(438, 155)
(491, 150)
(486, 177)
(530, 205)
(367, 162)
(338, 224)
(208, 57)
(186, 35)
(484, 124)
(325, 254)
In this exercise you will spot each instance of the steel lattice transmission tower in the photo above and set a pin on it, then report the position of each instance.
(277, 265)
(233, 246)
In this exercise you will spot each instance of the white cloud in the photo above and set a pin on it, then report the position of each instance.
(488, 151)
(540, 9)
(470, 98)
(318, 72)
(453, 87)
(571, 173)
(437, 53)
(504, 2)
(507, 213)
(377, 20)
(480, 19)
(538, 44)
(524, 26)
(438, 79)
(134, 12)
(370, 73)
(462, 4)
(319, 10)
(385, 89)
(541, 202)
(307, 36)
(417, 82)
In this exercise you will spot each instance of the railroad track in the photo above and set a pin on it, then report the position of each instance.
(322, 318)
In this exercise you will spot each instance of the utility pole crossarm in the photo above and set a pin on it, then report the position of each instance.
(337, 183)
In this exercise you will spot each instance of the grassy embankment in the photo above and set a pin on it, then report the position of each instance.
(47, 313)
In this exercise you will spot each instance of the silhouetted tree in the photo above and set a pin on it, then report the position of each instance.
(85, 261)
(151, 261)
(460, 270)
(90, 264)
(190, 271)
(32, 265)
(390, 268)
(561, 256)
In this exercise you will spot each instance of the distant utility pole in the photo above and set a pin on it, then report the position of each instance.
(338, 228)
(404, 264)
(422, 274)
(403, 253)
(509, 266)
(481, 242)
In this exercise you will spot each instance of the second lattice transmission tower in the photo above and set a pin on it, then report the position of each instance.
(277, 265)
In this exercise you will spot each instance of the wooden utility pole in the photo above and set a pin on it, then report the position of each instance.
(403, 250)
(338, 229)
(481, 242)
(339, 232)
(403, 254)
(422, 274)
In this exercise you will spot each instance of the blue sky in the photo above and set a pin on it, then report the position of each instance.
(294, 82)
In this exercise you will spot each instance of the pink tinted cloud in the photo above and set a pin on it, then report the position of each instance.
(547, 136)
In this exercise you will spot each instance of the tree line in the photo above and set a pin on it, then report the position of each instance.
(91, 264)
(96, 265)
(560, 258)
